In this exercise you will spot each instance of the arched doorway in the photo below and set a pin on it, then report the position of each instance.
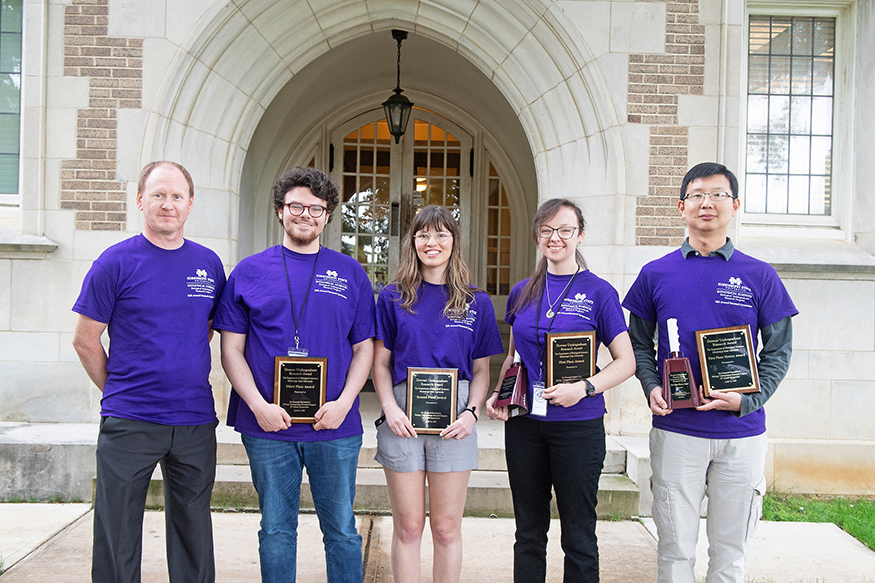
(383, 184)
(437, 161)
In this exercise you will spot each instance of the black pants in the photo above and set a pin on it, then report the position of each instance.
(567, 456)
(127, 452)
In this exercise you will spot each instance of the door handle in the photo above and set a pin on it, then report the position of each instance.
(395, 219)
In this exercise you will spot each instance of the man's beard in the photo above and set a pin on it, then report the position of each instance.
(305, 240)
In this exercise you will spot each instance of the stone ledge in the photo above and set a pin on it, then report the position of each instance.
(817, 258)
(15, 246)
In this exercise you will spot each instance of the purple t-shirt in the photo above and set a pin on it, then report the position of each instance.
(428, 339)
(590, 303)
(157, 304)
(339, 313)
(704, 293)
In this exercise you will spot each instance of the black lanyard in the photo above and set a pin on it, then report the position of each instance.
(306, 295)
(542, 354)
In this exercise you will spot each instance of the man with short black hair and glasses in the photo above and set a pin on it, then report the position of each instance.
(717, 449)
(300, 299)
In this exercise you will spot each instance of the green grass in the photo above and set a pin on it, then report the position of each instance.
(55, 499)
(856, 517)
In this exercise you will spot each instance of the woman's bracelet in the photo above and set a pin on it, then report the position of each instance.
(473, 412)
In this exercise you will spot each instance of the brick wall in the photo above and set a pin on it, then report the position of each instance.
(114, 67)
(655, 81)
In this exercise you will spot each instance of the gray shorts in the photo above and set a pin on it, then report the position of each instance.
(426, 452)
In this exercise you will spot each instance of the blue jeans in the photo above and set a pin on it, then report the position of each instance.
(276, 473)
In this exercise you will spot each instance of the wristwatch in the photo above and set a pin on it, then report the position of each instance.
(590, 388)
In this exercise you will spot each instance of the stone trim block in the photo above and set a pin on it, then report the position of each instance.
(654, 83)
(114, 67)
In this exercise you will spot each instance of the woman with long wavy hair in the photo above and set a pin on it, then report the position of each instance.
(560, 444)
(431, 316)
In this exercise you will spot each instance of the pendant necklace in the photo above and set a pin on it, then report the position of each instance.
(550, 312)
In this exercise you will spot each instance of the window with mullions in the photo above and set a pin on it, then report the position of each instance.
(791, 72)
(10, 100)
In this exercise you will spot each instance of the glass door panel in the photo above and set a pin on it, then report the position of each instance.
(498, 237)
(437, 168)
(384, 184)
(365, 205)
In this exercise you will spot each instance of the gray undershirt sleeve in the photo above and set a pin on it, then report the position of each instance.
(642, 333)
(773, 364)
(777, 347)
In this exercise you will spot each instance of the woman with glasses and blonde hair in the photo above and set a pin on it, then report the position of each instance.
(560, 444)
(431, 316)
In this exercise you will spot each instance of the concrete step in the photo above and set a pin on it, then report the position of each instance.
(488, 490)
(488, 493)
(490, 441)
(55, 461)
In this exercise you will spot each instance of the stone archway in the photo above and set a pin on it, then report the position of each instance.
(222, 80)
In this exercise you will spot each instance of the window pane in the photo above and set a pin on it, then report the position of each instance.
(10, 93)
(799, 154)
(821, 116)
(776, 197)
(10, 20)
(10, 53)
(755, 194)
(803, 31)
(758, 75)
(779, 154)
(801, 76)
(800, 115)
(757, 113)
(8, 173)
(759, 34)
(780, 35)
(453, 192)
(9, 124)
(779, 75)
(821, 155)
(789, 132)
(382, 190)
(779, 114)
(824, 37)
(819, 196)
(381, 219)
(366, 134)
(756, 153)
(798, 203)
(493, 192)
(383, 157)
(498, 235)
(822, 76)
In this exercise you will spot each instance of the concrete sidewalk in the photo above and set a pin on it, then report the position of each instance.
(52, 543)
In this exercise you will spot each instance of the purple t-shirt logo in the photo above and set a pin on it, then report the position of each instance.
(734, 293)
(201, 285)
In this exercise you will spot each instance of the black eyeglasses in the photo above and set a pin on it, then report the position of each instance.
(715, 196)
(297, 209)
(546, 232)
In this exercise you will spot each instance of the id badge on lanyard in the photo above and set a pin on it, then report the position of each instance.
(539, 403)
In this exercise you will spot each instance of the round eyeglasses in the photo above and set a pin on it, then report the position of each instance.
(546, 232)
(297, 209)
